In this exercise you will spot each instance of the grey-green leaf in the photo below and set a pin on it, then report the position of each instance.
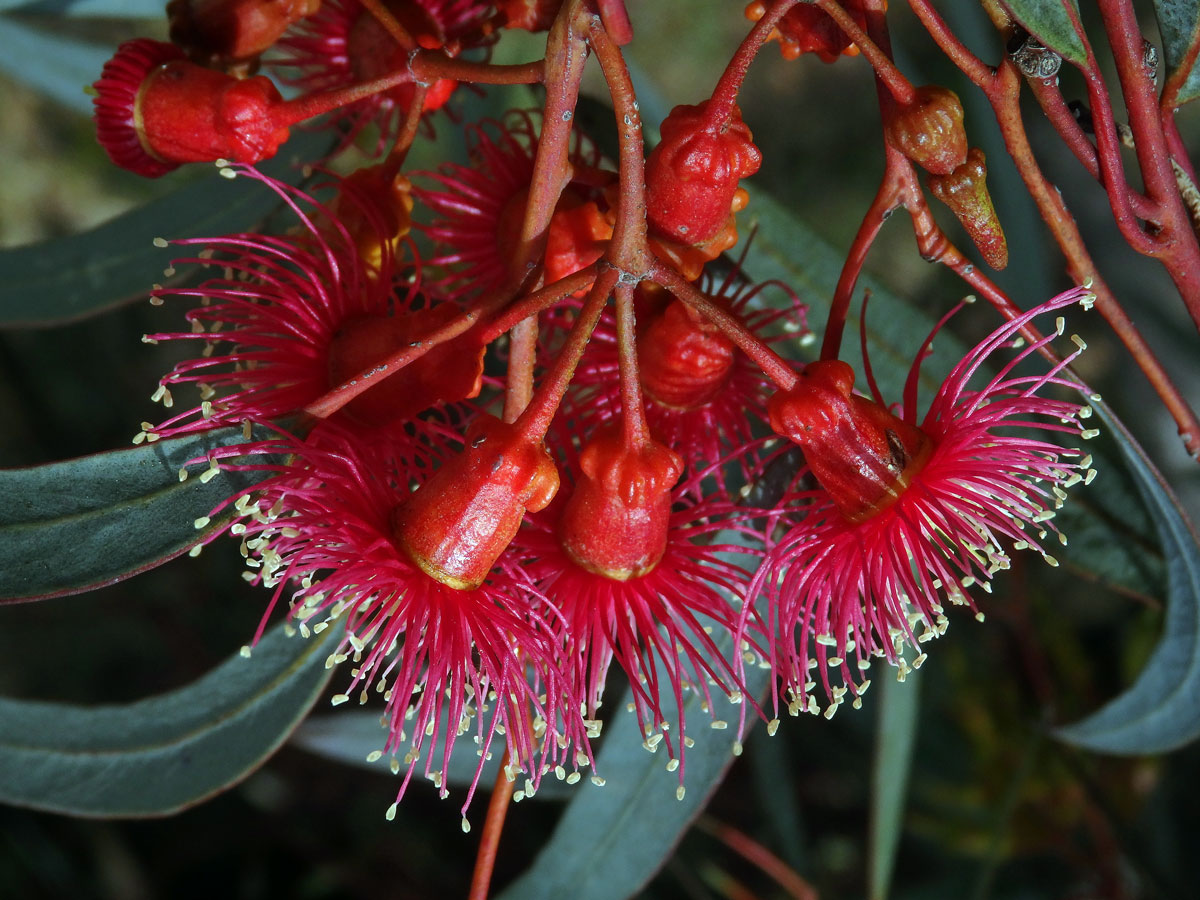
(895, 736)
(83, 523)
(163, 754)
(1050, 22)
(1161, 711)
(55, 64)
(103, 9)
(1179, 25)
(69, 278)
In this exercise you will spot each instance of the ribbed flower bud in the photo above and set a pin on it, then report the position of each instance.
(156, 110)
(456, 525)
(860, 453)
(929, 131)
(228, 32)
(965, 191)
(684, 360)
(615, 522)
(693, 173)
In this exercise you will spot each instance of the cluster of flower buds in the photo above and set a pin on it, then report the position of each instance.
(929, 131)
(491, 545)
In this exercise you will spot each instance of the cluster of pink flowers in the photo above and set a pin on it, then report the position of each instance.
(490, 546)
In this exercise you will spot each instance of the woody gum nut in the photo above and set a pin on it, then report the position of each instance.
(965, 191)
(929, 131)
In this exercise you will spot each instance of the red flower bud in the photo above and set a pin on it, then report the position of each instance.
(806, 29)
(692, 175)
(860, 453)
(456, 525)
(683, 359)
(929, 131)
(531, 15)
(615, 522)
(965, 191)
(225, 32)
(450, 372)
(155, 110)
(374, 206)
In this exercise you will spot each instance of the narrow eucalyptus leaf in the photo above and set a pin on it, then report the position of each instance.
(97, 9)
(70, 278)
(163, 754)
(1161, 711)
(895, 736)
(54, 64)
(1050, 22)
(1179, 25)
(70, 526)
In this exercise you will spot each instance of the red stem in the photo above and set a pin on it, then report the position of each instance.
(1179, 251)
(309, 105)
(390, 23)
(879, 57)
(637, 433)
(724, 95)
(1002, 88)
(429, 65)
(535, 420)
(885, 202)
(751, 850)
(522, 358)
(628, 250)
(493, 827)
(534, 303)
(1127, 204)
(773, 365)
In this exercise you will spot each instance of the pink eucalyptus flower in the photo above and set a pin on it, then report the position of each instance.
(908, 518)
(480, 208)
(447, 663)
(343, 44)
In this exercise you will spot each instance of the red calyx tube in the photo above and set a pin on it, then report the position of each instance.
(861, 454)
(615, 522)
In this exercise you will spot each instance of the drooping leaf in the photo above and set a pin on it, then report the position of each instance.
(1179, 25)
(55, 64)
(163, 754)
(1050, 23)
(895, 736)
(100, 9)
(70, 526)
(69, 278)
(1161, 711)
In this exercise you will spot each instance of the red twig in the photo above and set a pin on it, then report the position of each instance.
(754, 852)
(724, 95)
(637, 433)
(879, 57)
(493, 827)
